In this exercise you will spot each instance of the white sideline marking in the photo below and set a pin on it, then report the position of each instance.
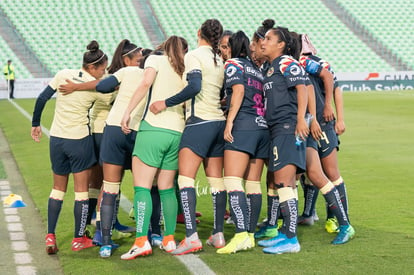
(192, 262)
(12, 218)
(15, 227)
(18, 238)
(20, 246)
(22, 258)
(26, 270)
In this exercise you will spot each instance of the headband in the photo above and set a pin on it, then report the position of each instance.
(96, 61)
(130, 51)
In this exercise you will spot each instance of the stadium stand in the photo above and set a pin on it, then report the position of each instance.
(385, 20)
(335, 42)
(58, 31)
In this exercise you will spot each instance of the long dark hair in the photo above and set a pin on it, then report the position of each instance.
(94, 56)
(124, 48)
(291, 44)
(239, 45)
(211, 31)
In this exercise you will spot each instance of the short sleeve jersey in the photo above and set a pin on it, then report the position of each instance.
(283, 75)
(129, 79)
(167, 83)
(206, 104)
(327, 66)
(314, 69)
(71, 118)
(100, 111)
(252, 111)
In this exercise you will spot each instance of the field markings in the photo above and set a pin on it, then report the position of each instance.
(19, 245)
(192, 262)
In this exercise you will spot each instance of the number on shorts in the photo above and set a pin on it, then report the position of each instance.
(323, 137)
(275, 154)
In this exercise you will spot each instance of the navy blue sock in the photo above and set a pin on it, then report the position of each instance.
(311, 195)
(219, 209)
(238, 209)
(335, 206)
(255, 205)
(107, 214)
(289, 210)
(273, 210)
(188, 203)
(80, 211)
(53, 211)
(156, 211)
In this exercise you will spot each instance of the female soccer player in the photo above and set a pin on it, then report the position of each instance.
(247, 142)
(126, 54)
(156, 147)
(326, 144)
(202, 139)
(286, 101)
(224, 49)
(269, 227)
(116, 147)
(71, 143)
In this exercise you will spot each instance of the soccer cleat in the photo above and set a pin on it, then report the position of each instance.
(168, 244)
(51, 247)
(105, 251)
(286, 246)
(216, 240)
(273, 241)
(141, 247)
(240, 241)
(124, 228)
(198, 214)
(266, 232)
(331, 225)
(302, 220)
(346, 233)
(156, 240)
(180, 219)
(97, 238)
(117, 235)
(188, 245)
(81, 243)
(252, 240)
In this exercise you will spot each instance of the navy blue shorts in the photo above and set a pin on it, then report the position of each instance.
(97, 140)
(71, 155)
(284, 151)
(255, 143)
(117, 147)
(206, 139)
(328, 143)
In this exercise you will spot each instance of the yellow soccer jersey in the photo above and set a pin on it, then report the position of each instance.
(167, 83)
(207, 102)
(129, 77)
(100, 110)
(71, 118)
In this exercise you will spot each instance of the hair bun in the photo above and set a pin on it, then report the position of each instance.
(268, 23)
(93, 46)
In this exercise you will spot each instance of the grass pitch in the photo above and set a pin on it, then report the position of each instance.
(376, 158)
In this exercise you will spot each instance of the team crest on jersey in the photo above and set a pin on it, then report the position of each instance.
(270, 71)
